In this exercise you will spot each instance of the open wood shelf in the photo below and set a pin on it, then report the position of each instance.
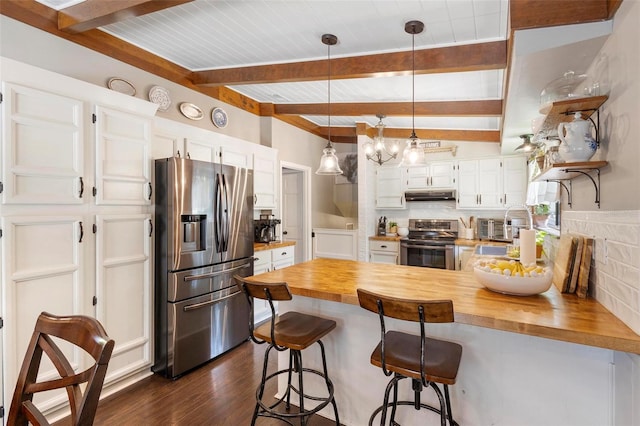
(560, 172)
(562, 112)
(566, 171)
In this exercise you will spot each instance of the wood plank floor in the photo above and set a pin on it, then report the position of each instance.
(220, 393)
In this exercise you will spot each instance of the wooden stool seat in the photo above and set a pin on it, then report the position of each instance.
(295, 330)
(403, 357)
(292, 331)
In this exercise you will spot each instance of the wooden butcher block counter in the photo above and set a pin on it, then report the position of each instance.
(552, 315)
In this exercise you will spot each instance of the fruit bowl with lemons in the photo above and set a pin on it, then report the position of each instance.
(512, 277)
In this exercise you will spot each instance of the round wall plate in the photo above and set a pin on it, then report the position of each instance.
(219, 117)
(160, 96)
(121, 85)
(191, 111)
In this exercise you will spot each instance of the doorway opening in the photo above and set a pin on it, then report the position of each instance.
(295, 205)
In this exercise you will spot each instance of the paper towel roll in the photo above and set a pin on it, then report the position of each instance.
(527, 246)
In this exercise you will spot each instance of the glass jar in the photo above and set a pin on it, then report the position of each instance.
(562, 88)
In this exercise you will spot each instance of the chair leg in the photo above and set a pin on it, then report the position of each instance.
(393, 383)
(261, 386)
(328, 382)
(395, 403)
(448, 402)
(289, 377)
(443, 417)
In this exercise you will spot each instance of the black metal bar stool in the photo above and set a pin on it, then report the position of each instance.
(426, 361)
(291, 331)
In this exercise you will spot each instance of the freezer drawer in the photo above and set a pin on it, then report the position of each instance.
(205, 327)
(196, 282)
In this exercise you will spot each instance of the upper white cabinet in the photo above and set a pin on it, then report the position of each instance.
(514, 178)
(43, 135)
(122, 157)
(265, 178)
(435, 175)
(487, 183)
(390, 188)
(217, 149)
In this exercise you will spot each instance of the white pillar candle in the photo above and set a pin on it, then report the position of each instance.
(527, 246)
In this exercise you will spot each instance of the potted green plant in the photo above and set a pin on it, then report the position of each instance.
(540, 215)
(540, 235)
(393, 227)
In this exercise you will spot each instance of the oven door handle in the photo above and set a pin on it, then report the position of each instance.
(423, 247)
(209, 302)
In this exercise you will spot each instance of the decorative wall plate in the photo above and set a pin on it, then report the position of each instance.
(191, 111)
(160, 95)
(121, 85)
(219, 117)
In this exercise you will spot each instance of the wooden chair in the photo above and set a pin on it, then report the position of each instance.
(293, 331)
(426, 361)
(82, 331)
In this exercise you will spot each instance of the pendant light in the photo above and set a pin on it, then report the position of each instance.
(329, 161)
(527, 145)
(378, 148)
(413, 152)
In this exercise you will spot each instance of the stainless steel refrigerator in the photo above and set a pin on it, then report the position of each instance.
(204, 236)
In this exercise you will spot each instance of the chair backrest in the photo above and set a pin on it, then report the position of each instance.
(82, 331)
(265, 291)
(435, 311)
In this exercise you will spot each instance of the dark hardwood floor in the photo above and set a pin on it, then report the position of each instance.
(220, 393)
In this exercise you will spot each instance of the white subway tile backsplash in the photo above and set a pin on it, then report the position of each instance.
(615, 277)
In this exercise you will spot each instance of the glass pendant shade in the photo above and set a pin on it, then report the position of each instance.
(329, 162)
(413, 154)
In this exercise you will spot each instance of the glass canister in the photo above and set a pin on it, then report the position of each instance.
(562, 88)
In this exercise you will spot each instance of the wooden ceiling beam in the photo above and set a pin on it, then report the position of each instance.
(440, 108)
(525, 14)
(92, 14)
(472, 57)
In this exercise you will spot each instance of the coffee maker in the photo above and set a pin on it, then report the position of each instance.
(265, 229)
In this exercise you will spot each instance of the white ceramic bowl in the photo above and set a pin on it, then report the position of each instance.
(519, 286)
(403, 231)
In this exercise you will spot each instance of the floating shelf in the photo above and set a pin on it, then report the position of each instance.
(560, 172)
(562, 112)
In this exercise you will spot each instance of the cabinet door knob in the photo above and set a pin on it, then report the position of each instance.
(383, 246)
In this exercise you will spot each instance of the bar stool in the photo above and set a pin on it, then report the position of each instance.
(291, 331)
(426, 361)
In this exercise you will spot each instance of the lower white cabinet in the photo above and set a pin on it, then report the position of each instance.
(266, 261)
(384, 252)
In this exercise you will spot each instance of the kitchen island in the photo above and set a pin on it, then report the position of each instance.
(545, 359)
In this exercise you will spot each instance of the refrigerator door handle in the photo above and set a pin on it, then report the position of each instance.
(226, 223)
(218, 214)
(214, 274)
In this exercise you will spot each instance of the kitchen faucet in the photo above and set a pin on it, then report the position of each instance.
(506, 215)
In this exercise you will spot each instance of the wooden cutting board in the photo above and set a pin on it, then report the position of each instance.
(585, 268)
(563, 262)
(575, 264)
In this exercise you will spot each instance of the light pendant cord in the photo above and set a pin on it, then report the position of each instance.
(329, 92)
(413, 85)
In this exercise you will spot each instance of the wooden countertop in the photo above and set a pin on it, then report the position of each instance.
(384, 238)
(273, 245)
(552, 315)
(473, 243)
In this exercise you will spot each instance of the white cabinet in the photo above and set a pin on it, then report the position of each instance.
(44, 270)
(266, 261)
(480, 183)
(463, 254)
(122, 157)
(435, 175)
(390, 188)
(515, 178)
(43, 147)
(216, 149)
(265, 178)
(56, 147)
(123, 285)
(384, 251)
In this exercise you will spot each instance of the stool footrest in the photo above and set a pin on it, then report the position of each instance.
(411, 403)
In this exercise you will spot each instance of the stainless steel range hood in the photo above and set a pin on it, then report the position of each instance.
(430, 195)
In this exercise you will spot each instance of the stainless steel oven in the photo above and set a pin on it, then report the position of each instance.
(430, 243)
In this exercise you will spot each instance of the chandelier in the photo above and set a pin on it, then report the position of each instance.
(329, 161)
(378, 149)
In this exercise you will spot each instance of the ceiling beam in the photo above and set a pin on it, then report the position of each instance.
(92, 14)
(440, 108)
(471, 57)
(525, 14)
